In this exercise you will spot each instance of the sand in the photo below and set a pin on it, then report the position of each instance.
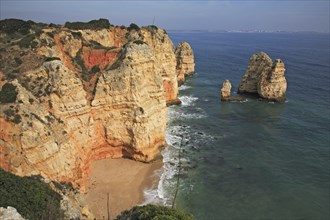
(124, 180)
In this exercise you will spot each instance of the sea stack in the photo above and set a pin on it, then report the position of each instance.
(185, 62)
(265, 78)
(225, 90)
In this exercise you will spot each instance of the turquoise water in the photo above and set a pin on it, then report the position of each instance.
(251, 160)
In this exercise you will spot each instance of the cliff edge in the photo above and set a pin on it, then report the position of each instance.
(81, 92)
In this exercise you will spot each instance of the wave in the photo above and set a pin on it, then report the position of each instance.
(187, 100)
(184, 87)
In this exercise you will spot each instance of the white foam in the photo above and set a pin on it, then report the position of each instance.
(163, 191)
(184, 87)
(182, 115)
(187, 100)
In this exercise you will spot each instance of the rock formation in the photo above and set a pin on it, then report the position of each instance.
(86, 94)
(273, 85)
(265, 78)
(165, 63)
(225, 90)
(185, 61)
(10, 213)
(226, 93)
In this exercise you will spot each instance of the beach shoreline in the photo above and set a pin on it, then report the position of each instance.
(123, 180)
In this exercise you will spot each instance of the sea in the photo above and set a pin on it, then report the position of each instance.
(254, 159)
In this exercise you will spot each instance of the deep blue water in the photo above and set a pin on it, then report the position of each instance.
(252, 160)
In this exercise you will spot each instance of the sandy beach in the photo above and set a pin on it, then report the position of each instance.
(124, 180)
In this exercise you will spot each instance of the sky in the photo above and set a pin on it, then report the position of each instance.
(285, 15)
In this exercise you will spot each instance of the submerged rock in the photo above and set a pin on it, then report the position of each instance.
(265, 78)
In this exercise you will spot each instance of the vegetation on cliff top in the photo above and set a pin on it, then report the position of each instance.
(10, 26)
(8, 93)
(93, 24)
(32, 198)
(153, 212)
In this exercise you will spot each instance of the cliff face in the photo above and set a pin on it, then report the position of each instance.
(265, 78)
(185, 61)
(273, 85)
(163, 50)
(87, 95)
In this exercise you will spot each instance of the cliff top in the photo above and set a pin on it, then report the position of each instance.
(86, 48)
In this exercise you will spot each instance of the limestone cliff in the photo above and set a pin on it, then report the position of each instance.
(265, 78)
(185, 61)
(165, 61)
(273, 86)
(71, 96)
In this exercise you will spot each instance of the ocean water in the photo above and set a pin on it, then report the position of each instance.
(255, 159)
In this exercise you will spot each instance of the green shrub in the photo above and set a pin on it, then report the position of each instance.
(77, 34)
(95, 69)
(17, 119)
(139, 42)
(93, 24)
(26, 41)
(32, 198)
(8, 93)
(133, 26)
(51, 59)
(18, 60)
(50, 34)
(153, 27)
(153, 212)
(11, 26)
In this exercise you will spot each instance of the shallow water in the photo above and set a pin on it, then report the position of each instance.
(256, 159)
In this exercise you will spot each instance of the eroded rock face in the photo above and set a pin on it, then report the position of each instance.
(83, 95)
(273, 86)
(259, 64)
(265, 78)
(165, 61)
(225, 90)
(185, 61)
(58, 133)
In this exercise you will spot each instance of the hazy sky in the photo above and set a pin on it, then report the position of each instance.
(294, 15)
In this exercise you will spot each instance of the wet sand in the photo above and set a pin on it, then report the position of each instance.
(124, 180)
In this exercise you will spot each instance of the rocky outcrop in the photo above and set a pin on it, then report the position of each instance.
(226, 93)
(58, 134)
(273, 86)
(87, 101)
(259, 64)
(265, 78)
(9, 213)
(185, 61)
(225, 90)
(165, 61)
